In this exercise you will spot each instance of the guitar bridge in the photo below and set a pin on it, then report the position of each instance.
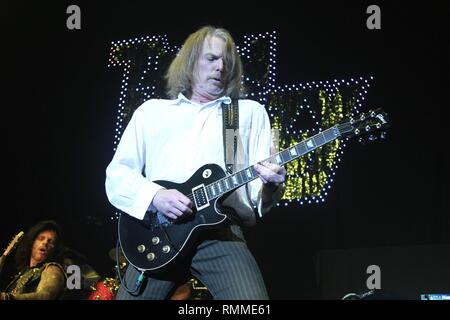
(200, 197)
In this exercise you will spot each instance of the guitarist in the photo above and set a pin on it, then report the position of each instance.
(171, 139)
(38, 259)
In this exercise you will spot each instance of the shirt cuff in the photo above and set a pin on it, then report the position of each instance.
(144, 199)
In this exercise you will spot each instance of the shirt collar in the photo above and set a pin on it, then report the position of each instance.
(182, 98)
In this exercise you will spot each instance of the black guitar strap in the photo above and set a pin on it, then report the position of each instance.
(230, 115)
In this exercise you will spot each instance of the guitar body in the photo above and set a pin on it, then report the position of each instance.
(151, 246)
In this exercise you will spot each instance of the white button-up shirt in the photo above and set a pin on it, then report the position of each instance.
(171, 139)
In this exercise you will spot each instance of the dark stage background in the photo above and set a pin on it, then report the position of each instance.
(60, 99)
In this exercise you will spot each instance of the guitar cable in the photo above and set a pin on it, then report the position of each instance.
(139, 279)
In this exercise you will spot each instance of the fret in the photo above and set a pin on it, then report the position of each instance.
(219, 191)
(278, 159)
(222, 184)
(331, 134)
(217, 188)
(301, 148)
(211, 191)
(254, 173)
(220, 187)
(293, 152)
(234, 179)
(208, 193)
(230, 183)
(248, 173)
(285, 155)
(310, 144)
(241, 177)
(227, 185)
(319, 139)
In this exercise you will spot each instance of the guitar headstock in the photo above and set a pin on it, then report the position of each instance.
(370, 123)
(13, 243)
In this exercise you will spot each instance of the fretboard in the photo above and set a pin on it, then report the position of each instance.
(240, 178)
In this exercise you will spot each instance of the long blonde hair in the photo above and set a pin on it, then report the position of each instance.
(179, 76)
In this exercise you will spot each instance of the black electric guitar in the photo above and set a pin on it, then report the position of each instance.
(10, 247)
(154, 244)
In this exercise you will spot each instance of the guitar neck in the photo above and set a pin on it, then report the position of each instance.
(244, 176)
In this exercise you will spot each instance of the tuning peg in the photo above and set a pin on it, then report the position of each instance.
(357, 131)
(383, 135)
(372, 137)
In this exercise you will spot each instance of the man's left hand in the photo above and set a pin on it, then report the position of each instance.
(272, 175)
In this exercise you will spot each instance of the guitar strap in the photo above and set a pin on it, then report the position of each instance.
(230, 115)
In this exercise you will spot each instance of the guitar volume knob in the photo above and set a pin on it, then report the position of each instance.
(141, 248)
(155, 240)
(166, 249)
(151, 256)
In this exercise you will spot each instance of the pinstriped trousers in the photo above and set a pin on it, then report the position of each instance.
(223, 263)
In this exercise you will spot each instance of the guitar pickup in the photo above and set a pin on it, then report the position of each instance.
(200, 197)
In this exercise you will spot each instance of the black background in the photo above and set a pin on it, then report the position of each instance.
(59, 105)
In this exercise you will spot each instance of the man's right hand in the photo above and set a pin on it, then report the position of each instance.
(172, 203)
